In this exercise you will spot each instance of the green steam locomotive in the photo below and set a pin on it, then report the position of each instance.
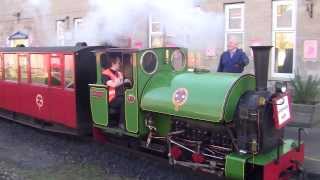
(221, 123)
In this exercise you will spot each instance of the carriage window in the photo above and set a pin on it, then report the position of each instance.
(178, 60)
(39, 70)
(11, 67)
(68, 71)
(149, 62)
(23, 63)
(56, 71)
(1, 66)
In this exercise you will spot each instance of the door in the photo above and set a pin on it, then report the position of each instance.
(24, 85)
(38, 98)
(62, 90)
(98, 97)
(1, 83)
(10, 83)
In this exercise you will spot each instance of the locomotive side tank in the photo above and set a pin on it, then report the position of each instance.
(208, 97)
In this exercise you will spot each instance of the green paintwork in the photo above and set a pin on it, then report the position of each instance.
(163, 124)
(98, 94)
(266, 158)
(132, 108)
(99, 107)
(240, 87)
(164, 67)
(212, 97)
(235, 166)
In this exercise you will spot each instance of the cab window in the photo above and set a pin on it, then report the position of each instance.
(11, 67)
(56, 72)
(23, 63)
(39, 69)
(128, 67)
(69, 71)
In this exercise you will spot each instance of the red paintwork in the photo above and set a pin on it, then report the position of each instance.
(99, 136)
(272, 170)
(62, 106)
(176, 152)
(51, 104)
(11, 99)
(2, 88)
(197, 158)
(62, 102)
(31, 105)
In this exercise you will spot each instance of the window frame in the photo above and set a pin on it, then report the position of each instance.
(28, 68)
(17, 70)
(61, 60)
(228, 30)
(157, 62)
(1, 67)
(46, 64)
(73, 71)
(60, 31)
(151, 33)
(275, 29)
(183, 67)
(77, 23)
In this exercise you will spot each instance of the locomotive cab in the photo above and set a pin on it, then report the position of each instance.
(140, 67)
(104, 115)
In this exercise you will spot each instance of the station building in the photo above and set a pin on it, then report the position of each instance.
(291, 26)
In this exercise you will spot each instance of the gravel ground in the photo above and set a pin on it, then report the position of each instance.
(27, 153)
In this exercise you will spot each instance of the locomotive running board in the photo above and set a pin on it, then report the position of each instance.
(115, 131)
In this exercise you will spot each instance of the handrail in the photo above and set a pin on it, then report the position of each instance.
(98, 85)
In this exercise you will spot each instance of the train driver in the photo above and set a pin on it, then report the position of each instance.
(113, 78)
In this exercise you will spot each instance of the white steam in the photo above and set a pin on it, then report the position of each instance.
(186, 25)
(39, 11)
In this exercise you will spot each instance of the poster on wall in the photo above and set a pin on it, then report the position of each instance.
(310, 49)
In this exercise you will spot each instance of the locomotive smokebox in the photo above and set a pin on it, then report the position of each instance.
(261, 56)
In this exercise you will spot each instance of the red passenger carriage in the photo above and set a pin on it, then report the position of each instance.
(47, 87)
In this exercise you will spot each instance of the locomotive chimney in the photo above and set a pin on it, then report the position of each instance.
(261, 64)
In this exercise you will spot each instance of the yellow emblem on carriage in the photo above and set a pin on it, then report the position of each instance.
(179, 98)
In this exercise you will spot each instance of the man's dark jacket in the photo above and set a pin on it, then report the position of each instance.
(234, 64)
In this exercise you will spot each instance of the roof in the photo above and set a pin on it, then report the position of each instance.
(18, 35)
(122, 50)
(64, 49)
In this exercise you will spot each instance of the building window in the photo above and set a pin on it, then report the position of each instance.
(39, 69)
(77, 23)
(156, 35)
(283, 38)
(60, 29)
(234, 25)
